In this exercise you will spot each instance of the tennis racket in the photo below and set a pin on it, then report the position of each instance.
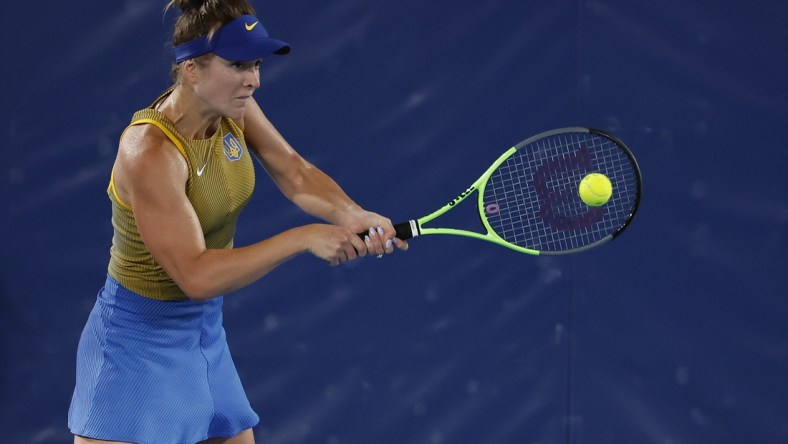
(528, 198)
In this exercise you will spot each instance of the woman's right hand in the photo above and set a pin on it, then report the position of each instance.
(334, 244)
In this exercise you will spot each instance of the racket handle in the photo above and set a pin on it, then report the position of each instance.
(405, 230)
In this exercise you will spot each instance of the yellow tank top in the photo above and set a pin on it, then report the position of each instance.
(220, 183)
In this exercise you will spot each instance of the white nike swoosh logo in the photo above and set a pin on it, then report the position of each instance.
(200, 170)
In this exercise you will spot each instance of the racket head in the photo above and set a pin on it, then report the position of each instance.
(529, 198)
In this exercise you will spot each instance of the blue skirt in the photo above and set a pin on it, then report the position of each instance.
(156, 372)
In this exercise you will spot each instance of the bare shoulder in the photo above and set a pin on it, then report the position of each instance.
(147, 159)
(147, 146)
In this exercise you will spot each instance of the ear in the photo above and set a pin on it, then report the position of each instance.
(189, 71)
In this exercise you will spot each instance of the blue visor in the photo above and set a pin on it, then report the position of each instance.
(242, 39)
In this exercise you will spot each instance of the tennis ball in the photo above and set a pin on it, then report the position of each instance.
(595, 189)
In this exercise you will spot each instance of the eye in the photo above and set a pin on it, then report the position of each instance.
(243, 65)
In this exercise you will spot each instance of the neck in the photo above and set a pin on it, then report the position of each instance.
(183, 108)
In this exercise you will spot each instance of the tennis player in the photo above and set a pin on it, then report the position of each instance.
(153, 365)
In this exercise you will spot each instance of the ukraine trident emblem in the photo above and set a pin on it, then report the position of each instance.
(232, 147)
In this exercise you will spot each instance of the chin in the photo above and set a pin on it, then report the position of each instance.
(235, 114)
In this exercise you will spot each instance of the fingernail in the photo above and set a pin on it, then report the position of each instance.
(372, 232)
(388, 244)
(380, 230)
(366, 239)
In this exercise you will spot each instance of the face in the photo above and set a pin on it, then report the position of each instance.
(224, 86)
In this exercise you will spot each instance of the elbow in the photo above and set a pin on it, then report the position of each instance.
(199, 297)
(197, 290)
(293, 181)
(205, 276)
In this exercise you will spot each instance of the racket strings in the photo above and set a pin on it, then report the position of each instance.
(531, 199)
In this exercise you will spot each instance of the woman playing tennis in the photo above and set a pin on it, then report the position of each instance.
(153, 365)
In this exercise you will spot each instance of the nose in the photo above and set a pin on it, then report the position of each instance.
(252, 78)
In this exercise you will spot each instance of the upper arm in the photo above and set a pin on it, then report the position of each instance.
(303, 183)
(278, 158)
(150, 175)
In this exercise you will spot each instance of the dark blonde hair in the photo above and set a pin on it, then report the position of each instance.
(203, 17)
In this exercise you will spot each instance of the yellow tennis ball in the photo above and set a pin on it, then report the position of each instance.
(595, 189)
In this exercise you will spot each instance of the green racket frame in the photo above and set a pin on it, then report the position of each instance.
(416, 227)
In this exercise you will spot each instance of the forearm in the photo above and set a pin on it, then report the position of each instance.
(319, 195)
(215, 273)
(211, 273)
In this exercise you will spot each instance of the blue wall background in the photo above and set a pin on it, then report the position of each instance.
(675, 333)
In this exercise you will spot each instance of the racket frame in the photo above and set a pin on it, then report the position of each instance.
(416, 227)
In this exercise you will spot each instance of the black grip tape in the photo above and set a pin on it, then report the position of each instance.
(403, 230)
